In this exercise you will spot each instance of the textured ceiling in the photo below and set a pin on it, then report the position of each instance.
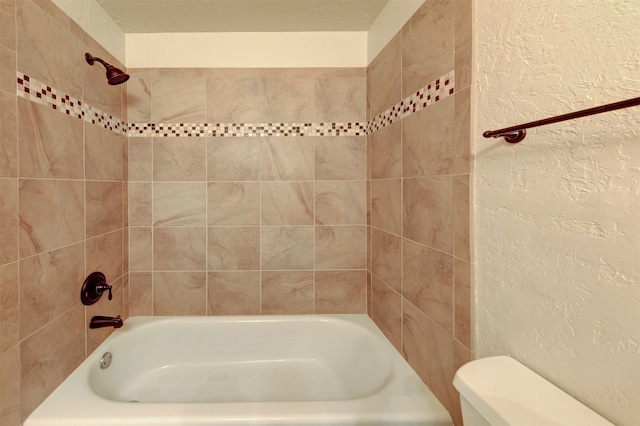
(166, 16)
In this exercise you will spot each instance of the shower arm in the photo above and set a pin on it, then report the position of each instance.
(91, 59)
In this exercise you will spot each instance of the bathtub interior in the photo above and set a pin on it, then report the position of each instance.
(242, 360)
(303, 370)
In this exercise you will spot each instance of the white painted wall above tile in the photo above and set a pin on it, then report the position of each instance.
(247, 50)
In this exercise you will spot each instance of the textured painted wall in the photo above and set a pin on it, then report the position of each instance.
(557, 217)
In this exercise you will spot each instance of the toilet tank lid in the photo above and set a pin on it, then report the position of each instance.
(506, 392)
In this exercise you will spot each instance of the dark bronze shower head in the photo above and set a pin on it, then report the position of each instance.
(114, 75)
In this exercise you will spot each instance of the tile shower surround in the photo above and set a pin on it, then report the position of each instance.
(241, 234)
(296, 284)
(36, 91)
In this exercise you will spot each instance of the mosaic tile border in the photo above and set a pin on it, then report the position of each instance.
(428, 95)
(246, 129)
(36, 91)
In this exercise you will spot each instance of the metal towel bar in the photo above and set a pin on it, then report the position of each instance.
(515, 134)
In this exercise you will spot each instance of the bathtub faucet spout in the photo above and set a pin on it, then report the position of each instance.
(100, 321)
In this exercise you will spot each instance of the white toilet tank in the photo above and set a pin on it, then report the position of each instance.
(500, 391)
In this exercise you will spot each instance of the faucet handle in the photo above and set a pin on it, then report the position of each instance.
(93, 287)
(101, 288)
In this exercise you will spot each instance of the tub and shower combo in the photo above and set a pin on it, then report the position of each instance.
(245, 370)
(300, 370)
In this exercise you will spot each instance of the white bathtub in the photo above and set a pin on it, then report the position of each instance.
(245, 370)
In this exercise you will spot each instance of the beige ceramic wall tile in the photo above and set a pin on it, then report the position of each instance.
(182, 159)
(427, 45)
(179, 293)
(9, 307)
(340, 96)
(143, 72)
(463, 66)
(426, 141)
(341, 247)
(462, 21)
(386, 311)
(461, 217)
(386, 205)
(31, 42)
(47, 50)
(342, 157)
(428, 282)
(10, 387)
(283, 248)
(428, 211)
(54, 12)
(289, 94)
(50, 143)
(181, 72)
(180, 204)
(67, 60)
(8, 23)
(238, 100)
(138, 100)
(369, 249)
(462, 306)
(178, 100)
(415, 346)
(62, 273)
(140, 203)
(386, 263)
(104, 254)
(233, 203)
(431, 351)
(125, 204)
(233, 293)
(386, 152)
(233, 159)
(49, 356)
(369, 294)
(140, 249)
(341, 292)
(8, 220)
(462, 132)
(104, 207)
(233, 248)
(287, 203)
(179, 248)
(340, 202)
(140, 293)
(8, 70)
(287, 158)
(51, 215)
(104, 153)
(9, 139)
(140, 159)
(384, 79)
(125, 252)
(125, 296)
(287, 292)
